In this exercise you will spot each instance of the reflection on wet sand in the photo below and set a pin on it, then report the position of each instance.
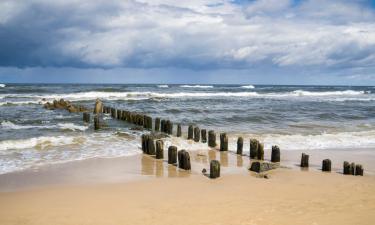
(239, 161)
(159, 168)
(148, 165)
(211, 155)
(224, 159)
(156, 167)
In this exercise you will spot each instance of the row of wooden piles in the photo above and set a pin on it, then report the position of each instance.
(155, 147)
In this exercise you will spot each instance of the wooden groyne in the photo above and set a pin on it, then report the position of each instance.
(152, 144)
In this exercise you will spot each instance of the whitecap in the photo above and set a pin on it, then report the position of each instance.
(196, 86)
(248, 87)
(38, 142)
(2, 85)
(163, 86)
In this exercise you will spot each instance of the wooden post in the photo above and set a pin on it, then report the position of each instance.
(304, 160)
(346, 168)
(162, 126)
(214, 169)
(211, 139)
(326, 165)
(223, 142)
(98, 107)
(157, 124)
(96, 123)
(119, 113)
(275, 154)
(190, 132)
(204, 135)
(172, 155)
(169, 127)
(239, 146)
(150, 146)
(86, 117)
(253, 148)
(184, 160)
(179, 130)
(352, 168)
(159, 149)
(197, 134)
(260, 154)
(358, 170)
(144, 142)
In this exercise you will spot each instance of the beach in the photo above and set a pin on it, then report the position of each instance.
(143, 190)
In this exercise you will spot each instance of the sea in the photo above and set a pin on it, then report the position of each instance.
(292, 117)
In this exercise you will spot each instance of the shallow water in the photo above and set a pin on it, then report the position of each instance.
(293, 117)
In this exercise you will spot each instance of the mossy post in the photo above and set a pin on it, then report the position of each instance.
(86, 117)
(162, 125)
(358, 170)
(239, 146)
(179, 132)
(184, 160)
(352, 168)
(172, 154)
(204, 135)
(304, 160)
(223, 142)
(254, 143)
(159, 149)
(214, 169)
(346, 168)
(150, 146)
(211, 139)
(169, 127)
(260, 155)
(275, 154)
(197, 134)
(157, 124)
(326, 165)
(96, 122)
(190, 132)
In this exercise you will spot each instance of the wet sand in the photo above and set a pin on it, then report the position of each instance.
(142, 190)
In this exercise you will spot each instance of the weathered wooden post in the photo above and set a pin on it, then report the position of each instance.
(326, 165)
(214, 169)
(275, 154)
(304, 160)
(253, 148)
(239, 146)
(197, 134)
(119, 114)
(96, 123)
(260, 154)
(358, 170)
(157, 124)
(144, 142)
(223, 142)
(159, 149)
(162, 126)
(172, 154)
(179, 130)
(352, 168)
(184, 160)
(86, 117)
(169, 127)
(211, 139)
(204, 135)
(190, 132)
(346, 168)
(150, 146)
(98, 107)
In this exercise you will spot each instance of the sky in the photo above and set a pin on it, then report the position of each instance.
(330, 42)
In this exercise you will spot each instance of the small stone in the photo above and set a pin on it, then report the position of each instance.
(204, 171)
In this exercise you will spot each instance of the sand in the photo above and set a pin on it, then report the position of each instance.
(142, 190)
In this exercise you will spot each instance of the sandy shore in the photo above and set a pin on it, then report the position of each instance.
(142, 190)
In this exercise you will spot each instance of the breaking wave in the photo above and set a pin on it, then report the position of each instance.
(163, 86)
(2, 85)
(196, 86)
(248, 87)
(37, 142)
(64, 126)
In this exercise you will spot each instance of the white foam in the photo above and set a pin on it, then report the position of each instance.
(340, 140)
(64, 126)
(248, 87)
(196, 86)
(163, 86)
(18, 102)
(327, 93)
(39, 142)
(2, 85)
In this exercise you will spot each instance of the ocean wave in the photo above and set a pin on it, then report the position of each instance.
(163, 86)
(37, 142)
(196, 86)
(2, 85)
(328, 93)
(248, 87)
(64, 126)
(342, 140)
(15, 103)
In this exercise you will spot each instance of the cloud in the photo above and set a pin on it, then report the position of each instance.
(196, 34)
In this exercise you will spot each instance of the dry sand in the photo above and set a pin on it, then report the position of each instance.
(100, 191)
